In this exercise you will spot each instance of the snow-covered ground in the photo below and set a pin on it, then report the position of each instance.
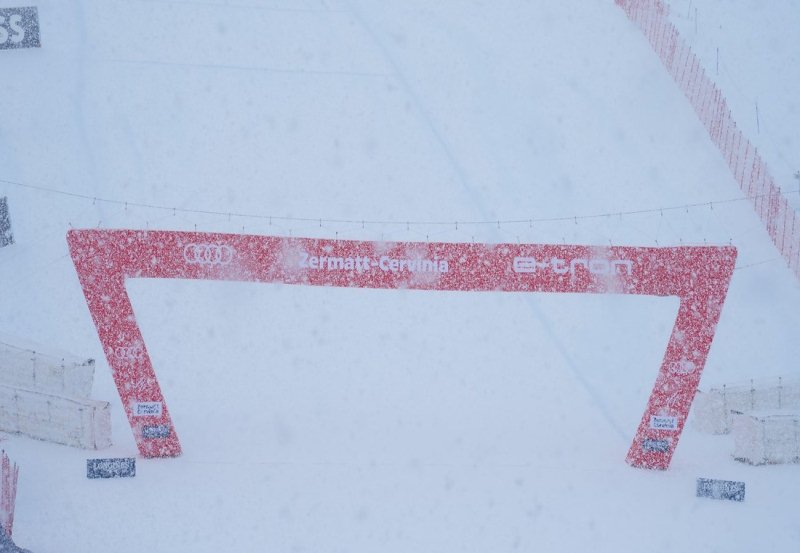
(316, 419)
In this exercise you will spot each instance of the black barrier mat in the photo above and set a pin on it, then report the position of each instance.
(123, 467)
(720, 489)
(6, 236)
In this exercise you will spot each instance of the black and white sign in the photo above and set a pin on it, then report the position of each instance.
(663, 423)
(123, 467)
(19, 28)
(6, 236)
(155, 431)
(147, 409)
(720, 489)
(659, 446)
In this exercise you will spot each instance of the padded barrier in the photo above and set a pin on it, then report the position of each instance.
(46, 396)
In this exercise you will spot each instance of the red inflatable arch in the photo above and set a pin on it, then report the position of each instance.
(699, 276)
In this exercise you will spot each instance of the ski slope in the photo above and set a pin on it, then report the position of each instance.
(317, 419)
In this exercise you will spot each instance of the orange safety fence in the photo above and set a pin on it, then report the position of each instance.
(742, 157)
(8, 492)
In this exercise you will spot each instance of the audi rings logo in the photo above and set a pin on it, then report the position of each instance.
(129, 353)
(208, 254)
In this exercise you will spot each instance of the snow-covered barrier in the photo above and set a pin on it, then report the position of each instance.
(766, 438)
(28, 368)
(713, 410)
(46, 396)
(71, 421)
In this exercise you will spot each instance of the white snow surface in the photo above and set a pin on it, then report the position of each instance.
(344, 420)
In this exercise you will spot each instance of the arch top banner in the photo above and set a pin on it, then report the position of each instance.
(698, 275)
